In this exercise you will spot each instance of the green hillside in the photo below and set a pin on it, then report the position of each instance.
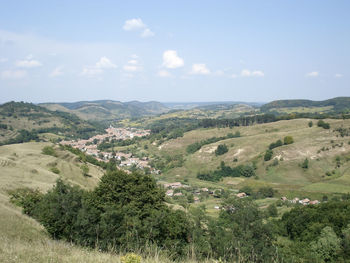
(104, 110)
(21, 121)
(22, 238)
(327, 151)
(336, 104)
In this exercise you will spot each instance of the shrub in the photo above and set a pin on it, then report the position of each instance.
(288, 140)
(323, 124)
(310, 124)
(268, 155)
(26, 198)
(222, 149)
(276, 144)
(55, 170)
(49, 150)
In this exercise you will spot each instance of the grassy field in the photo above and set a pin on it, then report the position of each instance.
(251, 146)
(22, 239)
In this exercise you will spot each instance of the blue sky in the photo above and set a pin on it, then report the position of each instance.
(174, 50)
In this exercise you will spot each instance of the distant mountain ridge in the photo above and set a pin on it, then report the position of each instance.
(338, 104)
(108, 109)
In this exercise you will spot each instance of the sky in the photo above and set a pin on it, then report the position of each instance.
(174, 51)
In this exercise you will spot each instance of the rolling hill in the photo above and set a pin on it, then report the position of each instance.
(29, 120)
(105, 110)
(338, 104)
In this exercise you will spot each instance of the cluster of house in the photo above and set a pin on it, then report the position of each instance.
(89, 146)
(305, 201)
(126, 133)
(196, 192)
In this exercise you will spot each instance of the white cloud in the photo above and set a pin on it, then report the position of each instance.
(56, 72)
(105, 63)
(258, 73)
(2, 60)
(147, 33)
(254, 73)
(13, 74)
(133, 65)
(338, 75)
(136, 24)
(172, 60)
(312, 74)
(28, 63)
(102, 64)
(164, 74)
(233, 76)
(200, 69)
(133, 24)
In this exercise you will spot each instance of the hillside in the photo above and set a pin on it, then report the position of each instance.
(22, 238)
(104, 110)
(327, 151)
(32, 121)
(338, 104)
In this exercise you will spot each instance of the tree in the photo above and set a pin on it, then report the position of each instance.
(288, 140)
(327, 246)
(310, 124)
(268, 155)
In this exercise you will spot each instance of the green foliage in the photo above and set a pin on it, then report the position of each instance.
(272, 210)
(323, 124)
(192, 148)
(240, 235)
(310, 124)
(288, 140)
(49, 150)
(268, 155)
(26, 198)
(23, 136)
(327, 245)
(55, 170)
(306, 222)
(265, 192)
(276, 144)
(221, 149)
(227, 171)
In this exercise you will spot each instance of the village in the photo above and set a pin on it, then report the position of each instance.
(173, 190)
(125, 160)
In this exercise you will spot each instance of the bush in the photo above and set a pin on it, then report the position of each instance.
(26, 198)
(310, 124)
(49, 150)
(55, 170)
(268, 155)
(323, 124)
(222, 149)
(288, 140)
(276, 144)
